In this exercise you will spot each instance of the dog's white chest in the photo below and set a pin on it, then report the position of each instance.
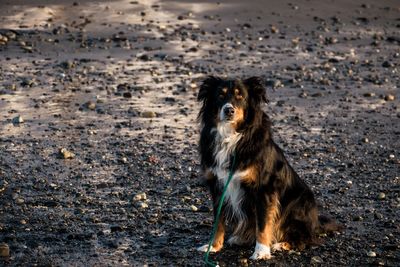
(226, 141)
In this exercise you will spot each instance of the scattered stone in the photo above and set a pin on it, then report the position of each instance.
(381, 196)
(148, 114)
(90, 105)
(371, 254)
(365, 140)
(140, 196)
(127, 94)
(303, 95)
(387, 64)
(4, 250)
(69, 64)
(389, 97)
(316, 260)
(274, 29)
(18, 120)
(20, 201)
(144, 57)
(142, 205)
(27, 82)
(65, 154)
(194, 208)
(369, 94)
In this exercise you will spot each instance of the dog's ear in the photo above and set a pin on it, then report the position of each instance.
(256, 89)
(209, 84)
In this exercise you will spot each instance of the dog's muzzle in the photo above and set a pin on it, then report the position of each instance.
(227, 112)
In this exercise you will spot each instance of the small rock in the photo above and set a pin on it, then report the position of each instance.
(316, 259)
(369, 94)
(90, 105)
(387, 64)
(127, 95)
(18, 120)
(371, 254)
(20, 201)
(389, 97)
(280, 103)
(381, 196)
(303, 95)
(65, 154)
(274, 29)
(69, 64)
(194, 208)
(144, 57)
(140, 196)
(365, 140)
(4, 250)
(295, 41)
(149, 114)
(143, 205)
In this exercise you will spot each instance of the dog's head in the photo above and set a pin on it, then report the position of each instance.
(230, 101)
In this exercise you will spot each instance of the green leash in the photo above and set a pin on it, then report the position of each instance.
(221, 202)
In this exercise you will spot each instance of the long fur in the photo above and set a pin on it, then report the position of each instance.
(266, 201)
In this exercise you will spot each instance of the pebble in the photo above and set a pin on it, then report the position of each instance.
(369, 94)
(389, 97)
(69, 64)
(4, 250)
(316, 259)
(194, 208)
(3, 39)
(387, 64)
(18, 120)
(371, 254)
(365, 140)
(143, 205)
(140, 196)
(381, 196)
(90, 105)
(20, 201)
(148, 114)
(65, 154)
(127, 94)
(274, 29)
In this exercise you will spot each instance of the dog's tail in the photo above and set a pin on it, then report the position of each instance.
(328, 225)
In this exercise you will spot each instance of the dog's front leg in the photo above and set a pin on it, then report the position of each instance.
(220, 232)
(267, 209)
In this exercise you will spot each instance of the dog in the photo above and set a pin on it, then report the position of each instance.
(266, 201)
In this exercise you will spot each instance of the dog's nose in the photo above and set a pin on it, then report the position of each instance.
(229, 111)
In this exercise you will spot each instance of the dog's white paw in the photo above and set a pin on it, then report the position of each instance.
(204, 248)
(236, 240)
(261, 252)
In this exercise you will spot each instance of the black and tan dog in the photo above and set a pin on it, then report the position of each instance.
(266, 202)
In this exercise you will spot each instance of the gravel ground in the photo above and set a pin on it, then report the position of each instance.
(98, 130)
